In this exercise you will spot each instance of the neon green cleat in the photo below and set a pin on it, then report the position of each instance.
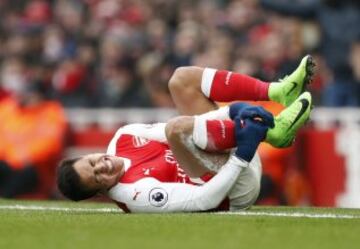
(290, 87)
(289, 121)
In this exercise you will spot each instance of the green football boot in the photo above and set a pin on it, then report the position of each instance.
(290, 87)
(289, 121)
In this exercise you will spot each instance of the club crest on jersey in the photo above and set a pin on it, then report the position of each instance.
(158, 197)
(140, 142)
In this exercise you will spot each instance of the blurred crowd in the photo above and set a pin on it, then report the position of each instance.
(121, 53)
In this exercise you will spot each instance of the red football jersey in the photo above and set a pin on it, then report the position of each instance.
(147, 156)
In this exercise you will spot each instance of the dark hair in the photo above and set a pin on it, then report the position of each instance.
(68, 181)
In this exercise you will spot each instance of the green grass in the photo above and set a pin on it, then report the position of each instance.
(95, 229)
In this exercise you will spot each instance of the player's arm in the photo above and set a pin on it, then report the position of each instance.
(150, 195)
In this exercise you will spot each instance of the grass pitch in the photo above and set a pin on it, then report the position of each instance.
(92, 225)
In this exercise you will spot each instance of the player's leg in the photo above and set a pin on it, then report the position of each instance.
(197, 162)
(194, 89)
(217, 134)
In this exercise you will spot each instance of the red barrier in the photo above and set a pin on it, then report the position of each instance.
(324, 167)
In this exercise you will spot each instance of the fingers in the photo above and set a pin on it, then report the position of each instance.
(250, 129)
(238, 122)
(259, 114)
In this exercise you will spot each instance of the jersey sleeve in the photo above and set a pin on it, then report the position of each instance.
(154, 132)
(151, 196)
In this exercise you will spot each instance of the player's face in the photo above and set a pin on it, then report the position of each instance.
(99, 171)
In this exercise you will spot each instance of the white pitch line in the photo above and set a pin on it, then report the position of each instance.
(241, 213)
(293, 215)
(61, 209)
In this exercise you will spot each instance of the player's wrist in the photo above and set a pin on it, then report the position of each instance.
(238, 161)
(246, 152)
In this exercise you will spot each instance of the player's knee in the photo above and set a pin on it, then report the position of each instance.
(245, 193)
(246, 201)
(178, 80)
(251, 197)
(178, 127)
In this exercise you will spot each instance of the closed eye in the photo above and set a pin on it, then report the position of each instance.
(92, 164)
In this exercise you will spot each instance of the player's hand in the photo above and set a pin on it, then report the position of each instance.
(236, 108)
(251, 126)
(257, 113)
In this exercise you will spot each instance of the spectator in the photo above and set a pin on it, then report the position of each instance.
(92, 50)
(32, 134)
(355, 64)
(339, 22)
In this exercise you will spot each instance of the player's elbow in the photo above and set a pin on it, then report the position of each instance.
(178, 79)
(208, 204)
(207, 201)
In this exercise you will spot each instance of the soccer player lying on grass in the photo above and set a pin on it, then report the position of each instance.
(185, 164)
